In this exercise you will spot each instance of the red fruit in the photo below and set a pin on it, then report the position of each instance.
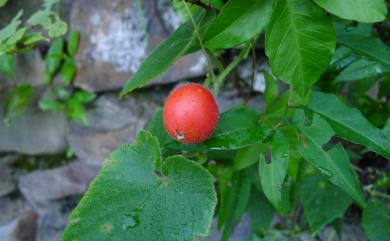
(190, 113)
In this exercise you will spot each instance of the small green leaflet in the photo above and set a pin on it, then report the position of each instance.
(7, 64)
(376, 221)
(11, 28)
(17, 102)
(333, 163)
(322, 201)
(349, 123)
(370, 47)
(163, 56)
(366, 11)
(299, 43)
(238, 21)
(272, 174)
(130, 199)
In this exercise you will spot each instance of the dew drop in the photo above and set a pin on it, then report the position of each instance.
(285, 155)
(129, 221)
(348, 28)
(325, 172)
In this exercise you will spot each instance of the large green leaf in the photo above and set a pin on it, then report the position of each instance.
(131, 200)
(239, 21)
(361, 69)
(349, 123)
(272, 174)
(366, 11)
(322, 201)
(376, 221)
(333, 163)
(370, 47)
(162, 57)
(247, 156)
(342, 57)
(300, 41)
(260, 211)
(236, 204)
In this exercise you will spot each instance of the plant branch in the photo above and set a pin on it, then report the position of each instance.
(231, 66)
(196, 29)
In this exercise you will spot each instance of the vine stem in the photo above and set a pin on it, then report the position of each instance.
(196, 29)
(231, 66)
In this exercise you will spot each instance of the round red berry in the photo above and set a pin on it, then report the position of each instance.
(190, 113)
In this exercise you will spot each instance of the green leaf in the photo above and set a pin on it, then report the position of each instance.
(3, 2)
(157, 129)
(84, 97)
(349, 123)
(386, 128)
(73, 43)
(75, 110)
(68, 71)
(162, 57)
(322, 201)
(238, 198)
(300, 41)
(272, 174)
(17, 102)
(370, 47)
(129, 201)
(50, 105)
(33, 38)
(41, 17)
(238, 21)
(57, 28)
(15, 37)
(11, 28)
(247, 156)
(366, 11)
(361, 69)
(54, 56)
(271, 92)
(260, 211)
(342, 57)
(333, 163)
(7, 64)
(376, 221)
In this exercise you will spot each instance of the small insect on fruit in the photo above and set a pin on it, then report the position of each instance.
(190, 113)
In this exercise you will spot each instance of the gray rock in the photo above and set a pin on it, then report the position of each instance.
(7, 182)
(110, 128)
(117, 36)
(42, 187)
(53, 222)
(34, 132)
(241, 232)
(17, 221)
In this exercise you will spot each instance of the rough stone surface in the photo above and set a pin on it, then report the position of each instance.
(42, 187)
(7, 182)
(241, 232)
(34, 132)
(109, 129)
(17, 221)
(117, 36)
